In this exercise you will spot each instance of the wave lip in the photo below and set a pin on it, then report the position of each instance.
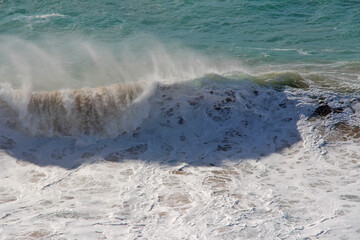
(86, 111)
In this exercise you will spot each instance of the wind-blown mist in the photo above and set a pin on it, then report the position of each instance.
(179, 119)
(48, 65)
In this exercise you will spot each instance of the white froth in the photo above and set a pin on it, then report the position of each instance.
(213, 160)
(289, 195)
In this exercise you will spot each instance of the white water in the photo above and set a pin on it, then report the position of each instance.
(292, 195)
(190, 155)
(214, 159)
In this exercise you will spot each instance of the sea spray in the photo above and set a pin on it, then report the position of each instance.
(212, 149)
(49, 65)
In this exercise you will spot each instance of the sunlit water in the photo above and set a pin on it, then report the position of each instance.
(179, 120)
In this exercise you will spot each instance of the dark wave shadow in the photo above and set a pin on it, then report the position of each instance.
(207, 121)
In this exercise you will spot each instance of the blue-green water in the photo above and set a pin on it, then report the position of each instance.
(255, 33)
(179, 119)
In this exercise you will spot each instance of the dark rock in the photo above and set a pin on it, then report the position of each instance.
(323, 110)
(338, 110)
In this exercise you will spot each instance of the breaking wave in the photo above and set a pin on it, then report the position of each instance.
(110, 111)
(77, 90)
(85, 111)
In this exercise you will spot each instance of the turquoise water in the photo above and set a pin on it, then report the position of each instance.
(252, 30)
(176, 119)
(255, 33)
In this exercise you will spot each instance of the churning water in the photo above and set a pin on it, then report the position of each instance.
(179, 119)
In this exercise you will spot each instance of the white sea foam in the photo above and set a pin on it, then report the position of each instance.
(193, 155)
(228, 168)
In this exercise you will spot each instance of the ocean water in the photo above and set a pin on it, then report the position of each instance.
(180, 119)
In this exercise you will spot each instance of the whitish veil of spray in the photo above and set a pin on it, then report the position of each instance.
(86, 88)
(48, 64)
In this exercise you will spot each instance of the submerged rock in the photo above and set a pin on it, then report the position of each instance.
(323, 110)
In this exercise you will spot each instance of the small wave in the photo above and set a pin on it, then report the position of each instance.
(43, 16)
(299, 51)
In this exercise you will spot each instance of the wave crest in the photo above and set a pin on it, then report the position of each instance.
(86, 111)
